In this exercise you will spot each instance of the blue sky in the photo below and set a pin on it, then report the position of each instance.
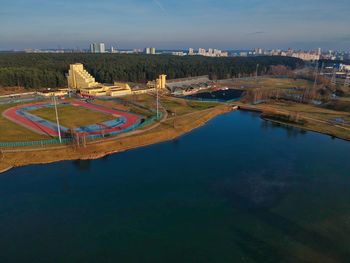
(175, 24)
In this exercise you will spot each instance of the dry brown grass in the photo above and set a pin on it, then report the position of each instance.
(317, 119)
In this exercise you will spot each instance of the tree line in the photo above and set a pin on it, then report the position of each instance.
(49, 70)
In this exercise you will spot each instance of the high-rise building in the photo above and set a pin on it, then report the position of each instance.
(150, 51)
(190, 51)
(97, 48)
(202, 51)
(92, 47)
(102, 48)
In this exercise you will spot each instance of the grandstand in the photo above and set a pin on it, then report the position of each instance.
(186, 82)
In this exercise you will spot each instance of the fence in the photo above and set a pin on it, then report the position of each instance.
(209, 100)
(35, 143)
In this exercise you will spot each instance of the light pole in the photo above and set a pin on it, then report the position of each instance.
(58, 123)
(157, 101)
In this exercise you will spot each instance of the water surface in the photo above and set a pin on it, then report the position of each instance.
(239, 189)
(220, 95)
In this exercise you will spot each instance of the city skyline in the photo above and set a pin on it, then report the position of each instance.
(168, 24)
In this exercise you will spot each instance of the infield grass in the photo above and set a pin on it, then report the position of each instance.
(72, 116)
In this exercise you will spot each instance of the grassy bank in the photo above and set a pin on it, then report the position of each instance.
(309, 117)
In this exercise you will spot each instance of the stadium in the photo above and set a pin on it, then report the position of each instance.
(40, 118)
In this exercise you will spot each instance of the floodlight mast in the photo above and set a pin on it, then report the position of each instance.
(157, 101)
(57, 121)
(347, 80)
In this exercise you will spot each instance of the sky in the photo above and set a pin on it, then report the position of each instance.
(175, 24)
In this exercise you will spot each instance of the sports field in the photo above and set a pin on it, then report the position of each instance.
(71, 116)
(83, 118)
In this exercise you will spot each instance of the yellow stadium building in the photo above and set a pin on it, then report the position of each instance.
(81, 80)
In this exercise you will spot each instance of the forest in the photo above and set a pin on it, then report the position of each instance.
(49, 70)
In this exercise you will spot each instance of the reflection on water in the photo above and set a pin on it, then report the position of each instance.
(239, 189)
(83, 165)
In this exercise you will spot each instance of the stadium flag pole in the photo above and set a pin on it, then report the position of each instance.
(58, 123)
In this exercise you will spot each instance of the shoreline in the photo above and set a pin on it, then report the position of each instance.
(305, 129)
(295, 125)
(102, 149)
(96, 150)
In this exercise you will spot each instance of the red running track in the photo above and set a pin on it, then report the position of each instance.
(13, 115)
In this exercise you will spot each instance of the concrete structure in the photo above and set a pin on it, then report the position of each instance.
(306, 56)
(162, 81)
(150, 51)
(79, 78)
(119, 89)
(184, 83)
(210, 53)
(102, 48)
(97, 48)
(344, 67)
(116, 90)
(56, 93)
(82, 82)
(179, 53)
(159, 83)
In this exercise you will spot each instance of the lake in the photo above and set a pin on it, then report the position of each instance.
(238, 189)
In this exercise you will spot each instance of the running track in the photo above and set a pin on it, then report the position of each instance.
(13, 115)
